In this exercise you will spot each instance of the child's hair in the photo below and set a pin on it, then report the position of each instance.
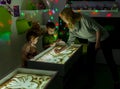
(31, 34)
(35, 26)
(50, 25)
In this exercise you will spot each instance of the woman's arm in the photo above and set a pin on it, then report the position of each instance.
(98, 36)
(69, 42)
(71, 38)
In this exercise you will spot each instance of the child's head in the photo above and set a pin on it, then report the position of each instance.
(32, 37)
(50, 28)
(36, 27)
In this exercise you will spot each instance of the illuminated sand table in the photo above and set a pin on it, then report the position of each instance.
(60, 58)
(26, 81)
(62, 62)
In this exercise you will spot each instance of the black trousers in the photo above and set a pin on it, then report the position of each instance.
(91, 59)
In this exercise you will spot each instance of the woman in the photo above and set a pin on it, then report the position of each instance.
(85, 27)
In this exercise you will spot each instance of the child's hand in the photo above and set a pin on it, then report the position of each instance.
(57, 50)
(52, 44)
(58, 40)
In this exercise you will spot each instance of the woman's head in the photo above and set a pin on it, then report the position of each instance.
(32, 37)
(69, 16)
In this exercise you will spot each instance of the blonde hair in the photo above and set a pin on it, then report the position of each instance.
(70, 16)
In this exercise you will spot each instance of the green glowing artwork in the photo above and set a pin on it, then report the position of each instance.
(5, 21)
(5, 36)
(31, 6)
(22, 26)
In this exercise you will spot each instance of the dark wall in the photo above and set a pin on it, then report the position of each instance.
(112, 25)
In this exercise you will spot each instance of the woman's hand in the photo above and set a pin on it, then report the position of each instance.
(97, 45)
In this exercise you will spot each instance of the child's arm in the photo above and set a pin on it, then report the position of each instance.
(49, 45)
(25, 50)
(60, 42)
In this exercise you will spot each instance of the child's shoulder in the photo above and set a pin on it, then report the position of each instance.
(26, 47)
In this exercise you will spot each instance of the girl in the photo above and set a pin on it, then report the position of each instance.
(29, 49)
